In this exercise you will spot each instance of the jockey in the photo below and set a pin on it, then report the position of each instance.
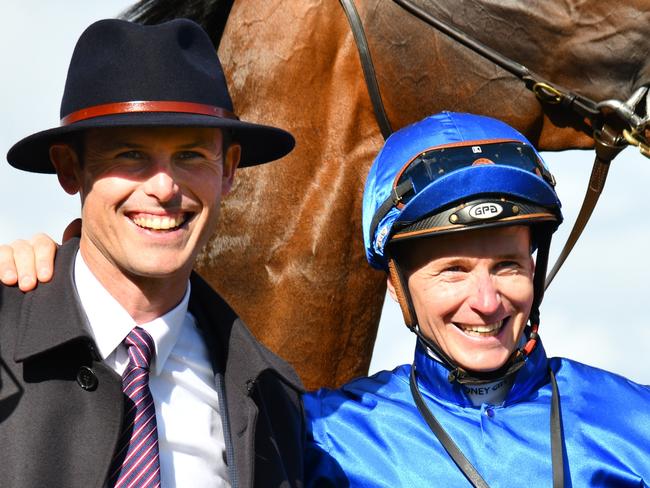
(454, 207)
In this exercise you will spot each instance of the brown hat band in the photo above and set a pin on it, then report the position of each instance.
(146, 106)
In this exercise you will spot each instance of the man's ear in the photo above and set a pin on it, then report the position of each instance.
(391, 288)
(230, 164)
(66, 163)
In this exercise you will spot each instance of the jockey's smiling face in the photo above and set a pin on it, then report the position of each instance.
(472, 292)
(150, 196)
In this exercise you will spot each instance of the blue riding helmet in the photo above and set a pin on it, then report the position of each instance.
(453, 171)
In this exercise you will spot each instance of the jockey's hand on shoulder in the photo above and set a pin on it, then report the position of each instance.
(28, 262)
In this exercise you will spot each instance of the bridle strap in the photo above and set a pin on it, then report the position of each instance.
(466, 467)
(447, 442)
(543, 89)
(367, 66)
(557, 442)
(606, 151)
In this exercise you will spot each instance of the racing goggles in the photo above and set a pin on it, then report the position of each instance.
(432, 165)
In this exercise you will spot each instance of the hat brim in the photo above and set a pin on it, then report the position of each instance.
(260, 143)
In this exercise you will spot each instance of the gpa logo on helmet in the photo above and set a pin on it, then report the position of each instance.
(484, 211)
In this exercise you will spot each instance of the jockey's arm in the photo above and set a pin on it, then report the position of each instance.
(24, 262)
(27, 262)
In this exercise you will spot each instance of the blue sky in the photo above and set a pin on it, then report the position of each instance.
(593, 311)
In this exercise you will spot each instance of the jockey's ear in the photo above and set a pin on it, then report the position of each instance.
(391, 288)
(66, 162)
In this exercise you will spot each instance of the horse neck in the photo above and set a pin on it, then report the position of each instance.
(288, 58)
(591, 47)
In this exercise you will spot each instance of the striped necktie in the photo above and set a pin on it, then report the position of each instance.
(136, 463)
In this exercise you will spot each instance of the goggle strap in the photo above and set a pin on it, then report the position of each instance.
(393, 200)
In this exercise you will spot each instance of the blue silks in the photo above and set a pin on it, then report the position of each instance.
(370, 433)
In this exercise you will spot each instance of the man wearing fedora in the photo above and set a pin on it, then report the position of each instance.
(127, 369)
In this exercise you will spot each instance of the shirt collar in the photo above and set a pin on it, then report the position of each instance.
(110, 323)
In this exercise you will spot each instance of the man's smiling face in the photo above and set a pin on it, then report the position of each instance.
(150, 196)
(472, 292)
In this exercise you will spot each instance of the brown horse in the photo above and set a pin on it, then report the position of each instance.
(288, 255)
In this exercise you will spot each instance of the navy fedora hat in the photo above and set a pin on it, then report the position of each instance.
(124, 74)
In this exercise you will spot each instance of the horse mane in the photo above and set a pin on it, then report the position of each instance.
(210, 14)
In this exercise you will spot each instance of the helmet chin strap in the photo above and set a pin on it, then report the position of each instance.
(517, 359)
(403, 296)
(463, 376)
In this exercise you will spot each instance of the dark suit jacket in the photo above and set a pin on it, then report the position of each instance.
(61, 406)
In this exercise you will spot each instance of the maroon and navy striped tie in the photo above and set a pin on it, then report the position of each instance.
(136, 463)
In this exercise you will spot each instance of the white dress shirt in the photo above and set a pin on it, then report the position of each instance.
(190, 432)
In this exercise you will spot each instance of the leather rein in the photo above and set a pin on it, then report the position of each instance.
(465, 466)
(605, 118)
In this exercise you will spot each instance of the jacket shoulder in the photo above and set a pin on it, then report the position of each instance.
(585, 375)
(236, 342)
(10, 297)
(11, 302)
(603, 389)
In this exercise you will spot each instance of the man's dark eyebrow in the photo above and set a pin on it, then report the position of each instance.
(110, 145)
(207, 145)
